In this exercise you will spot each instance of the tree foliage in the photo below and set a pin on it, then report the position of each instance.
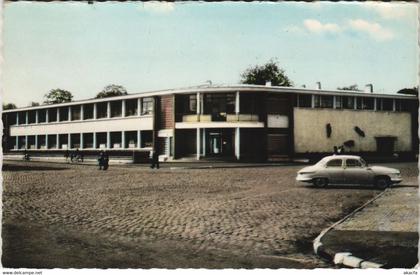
(270, 71)
(112, 90)
(9, 106)
(409, 91)
(353, 87)
(33, 103)
(57, 96)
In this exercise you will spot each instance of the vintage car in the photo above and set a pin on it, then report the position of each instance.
(347, 169)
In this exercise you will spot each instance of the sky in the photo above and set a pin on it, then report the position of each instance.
(150, 46)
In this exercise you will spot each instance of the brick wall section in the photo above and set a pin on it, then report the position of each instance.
(166, 112)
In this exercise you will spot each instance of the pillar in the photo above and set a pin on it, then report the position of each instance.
(94, 141)
(313, 101)
(26, 117)
(57, 144)
(58, 114)
(94, 110)
(237, 102)
(139, 139)
(69, 116)
(123, 108)
(198, 143)
(36, 142)
(123, 139)
(47, 115)
(108, 140)
(108, 109)
(237, 143)
(334, 102)
(69, 141)
(198, 106)
(81, 112)
(17, 118)
(204, 142)
(81, 141)
(36, 116)
(393, 105)
(26, 142)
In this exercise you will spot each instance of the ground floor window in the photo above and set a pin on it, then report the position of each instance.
(101, 140)
(52, 141)
(87, 140)
(63, 141)
(146, 139)
(130, 139)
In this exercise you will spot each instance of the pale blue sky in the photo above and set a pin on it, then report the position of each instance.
(149, 46)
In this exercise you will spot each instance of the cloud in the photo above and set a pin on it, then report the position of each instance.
(158, 7)
(391, 10)
(374, 30)
(315, 26)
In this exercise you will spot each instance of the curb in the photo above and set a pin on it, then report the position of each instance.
(344, 258)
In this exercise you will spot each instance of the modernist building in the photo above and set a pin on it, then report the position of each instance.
(243, 122)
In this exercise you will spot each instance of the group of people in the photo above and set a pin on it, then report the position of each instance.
(74, 155)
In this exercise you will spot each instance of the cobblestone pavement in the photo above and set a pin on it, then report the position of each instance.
(245, 211)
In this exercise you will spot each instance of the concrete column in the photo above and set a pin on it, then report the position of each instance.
(123, 108)
(334, 102)
(237, 144)
(204, 142)
(26, 142)
(94, 140)
(123, 139)
(355, 103)
(26, 117)
(237, 103)
(198, 143)
(58, 114)
(47, 115)
(94, 111)
(17, 118)
(81, 141)
(108, 140)
(313, 101)
(375, 108)
(69, 118)
(57, 145)
(46, 142)
(36, 142)
(36, 116)
(138, 106)
(393, 105)
(108, 109)
(198, 106)
(139, 139)
(69, 141)
(81, 112)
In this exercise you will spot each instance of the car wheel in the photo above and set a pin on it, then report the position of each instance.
(382, 183)
(320, 182)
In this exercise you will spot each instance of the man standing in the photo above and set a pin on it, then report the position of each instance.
(154, 159)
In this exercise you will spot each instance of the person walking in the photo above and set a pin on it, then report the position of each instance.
(154, 159)
(105, 160)
(101, 160)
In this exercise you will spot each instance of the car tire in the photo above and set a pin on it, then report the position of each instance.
(320, 182)
(382, 183)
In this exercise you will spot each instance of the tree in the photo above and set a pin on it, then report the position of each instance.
(112, 90)
(353, 87)
(33, 103)
(57, 96)
(9, 106)
(270, 71)
(409, 91)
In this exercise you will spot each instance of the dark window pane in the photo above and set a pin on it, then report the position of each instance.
(334, 163)
(75, 112)
(305, 101)
(146, 106)
(348, 102)
(52, 115)
(42, 115)
(88, 111)
(131, 107)
(101, 110)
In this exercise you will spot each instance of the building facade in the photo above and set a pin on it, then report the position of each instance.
(243, 122)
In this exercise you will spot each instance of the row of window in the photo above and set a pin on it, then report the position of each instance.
(349, 163)
(133, 107)
(351, 102)
(84, 141)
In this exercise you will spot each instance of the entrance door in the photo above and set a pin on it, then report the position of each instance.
(215, 144)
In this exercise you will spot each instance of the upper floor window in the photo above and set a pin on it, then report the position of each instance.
(116, 108)
(101, 109)
(365, 103)
(64, 113)
(42, 115)
(323, 101)
(385, 104)
(348, 102)
(75, 112)
(31, 116)
(131, 107)
(88, 111)
(52, 115)
(146, 106)
(304, 101)
(22, 117)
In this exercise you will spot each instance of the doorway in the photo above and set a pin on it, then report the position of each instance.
(219, 142)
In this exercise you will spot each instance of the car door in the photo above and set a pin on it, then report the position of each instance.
(334, 169)
(355, 172)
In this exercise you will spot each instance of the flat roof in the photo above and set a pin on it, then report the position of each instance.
(219, 89)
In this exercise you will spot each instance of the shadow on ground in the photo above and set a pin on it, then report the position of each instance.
(13, 167)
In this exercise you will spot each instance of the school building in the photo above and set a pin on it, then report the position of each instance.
(238, 122)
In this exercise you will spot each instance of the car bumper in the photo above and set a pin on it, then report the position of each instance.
(304, 178)
(396, 179)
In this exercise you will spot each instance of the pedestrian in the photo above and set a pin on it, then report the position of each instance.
(71, 156)
(105, 160)
(101, 160)
(66, 155)
(154, 159)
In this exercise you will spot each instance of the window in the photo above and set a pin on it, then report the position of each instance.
(146, 106)
(323, 101)
(64, 113)
(305, 101)
(88, 111)
(338, 102)
(146, 139)
(348, 102)
(192, 104)
(368, 103)
(353, 163)
(102, 110)
(75, 112)
(334, 163)
(116, 108)
(387, 104)
(42, 115)
(31, 117)
(131, 107)
(52, 115)
(22, 117)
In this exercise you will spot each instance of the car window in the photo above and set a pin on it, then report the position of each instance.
(353, 163)
(334, 163)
